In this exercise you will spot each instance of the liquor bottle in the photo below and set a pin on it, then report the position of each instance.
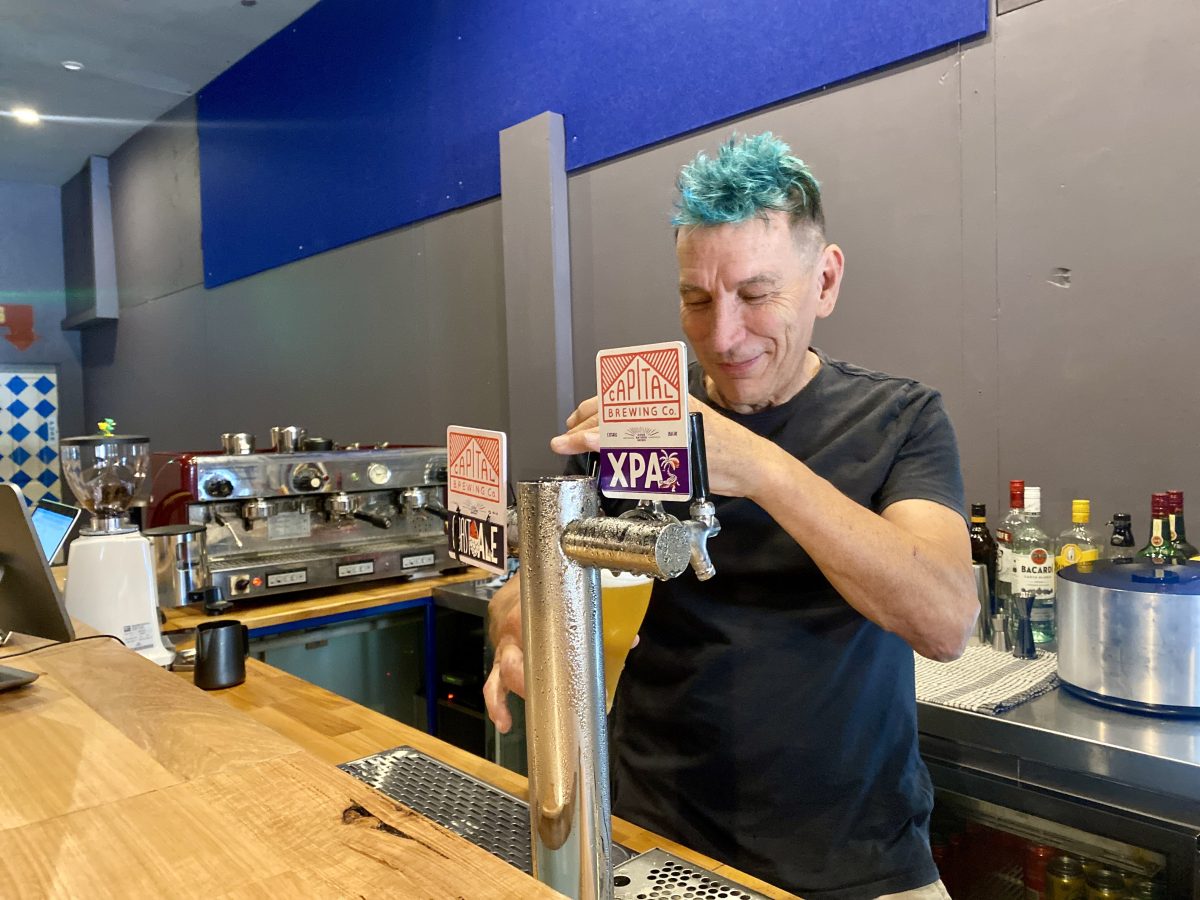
(1178, 529)
(1033, 568)
(1159, 548)
(1004, 539)
(1077, 544)
(983, 549)
(1121, 543)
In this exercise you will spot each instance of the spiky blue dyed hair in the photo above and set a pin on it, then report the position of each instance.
(750, 176)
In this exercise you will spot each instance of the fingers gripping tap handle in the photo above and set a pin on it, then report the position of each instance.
(699, 457)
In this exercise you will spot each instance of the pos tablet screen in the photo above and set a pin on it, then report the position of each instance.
(53, 522)
(29, 599)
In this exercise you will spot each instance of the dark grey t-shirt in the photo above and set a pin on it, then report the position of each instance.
(762, 720)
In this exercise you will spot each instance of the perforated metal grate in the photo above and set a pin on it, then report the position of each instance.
(499, 823)
(487, 817)
(658, 875)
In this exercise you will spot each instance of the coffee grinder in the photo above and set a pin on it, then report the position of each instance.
(110, 567)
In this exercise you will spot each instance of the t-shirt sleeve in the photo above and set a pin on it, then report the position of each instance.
(927, 465)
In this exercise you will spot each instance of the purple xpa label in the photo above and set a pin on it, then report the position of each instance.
(662, 471)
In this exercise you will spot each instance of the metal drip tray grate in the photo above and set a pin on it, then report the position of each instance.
(499, 823)
(659, 875)
(485, 816)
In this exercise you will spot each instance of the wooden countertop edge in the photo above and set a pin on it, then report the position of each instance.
(337, 730)
(316, 604)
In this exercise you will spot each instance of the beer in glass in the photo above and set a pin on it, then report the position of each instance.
(623, 599)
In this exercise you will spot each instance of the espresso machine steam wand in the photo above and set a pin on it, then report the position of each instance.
(564, 543)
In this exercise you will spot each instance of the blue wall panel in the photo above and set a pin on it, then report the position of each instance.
(365, 115)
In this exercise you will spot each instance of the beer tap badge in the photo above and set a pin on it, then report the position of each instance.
(643, 422)
(477, 496)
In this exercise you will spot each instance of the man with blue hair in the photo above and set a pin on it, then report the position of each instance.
(767, 717)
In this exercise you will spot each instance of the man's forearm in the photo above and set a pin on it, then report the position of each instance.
(917, 587)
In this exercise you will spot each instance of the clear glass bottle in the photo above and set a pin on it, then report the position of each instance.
(1178, 529)
(1004, 538)
(1121, 542)
(1159, 548)
(983, 549)
(1033, 569)
(1077, 544)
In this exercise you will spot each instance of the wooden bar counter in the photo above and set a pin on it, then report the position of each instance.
(120, 779)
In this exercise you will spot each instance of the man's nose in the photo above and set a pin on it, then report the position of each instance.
(727, 327)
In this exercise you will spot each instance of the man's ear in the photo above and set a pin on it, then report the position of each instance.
(830, 268)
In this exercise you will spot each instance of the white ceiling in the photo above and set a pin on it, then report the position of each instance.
(140, 57)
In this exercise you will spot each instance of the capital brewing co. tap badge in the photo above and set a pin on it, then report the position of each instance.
(643, 422)
(477, 496)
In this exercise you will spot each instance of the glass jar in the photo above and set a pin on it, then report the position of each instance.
(1064, 879)
(1105, 884)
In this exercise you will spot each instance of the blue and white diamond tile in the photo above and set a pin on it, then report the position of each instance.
(29, 435)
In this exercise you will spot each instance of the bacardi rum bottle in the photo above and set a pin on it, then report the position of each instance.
(1004, 540)
(1078, 544)
(1033, 568)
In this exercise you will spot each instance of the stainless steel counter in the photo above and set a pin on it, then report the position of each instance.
(1060, 731)
(466, 596)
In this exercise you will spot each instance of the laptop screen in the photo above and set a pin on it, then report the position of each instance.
(51, 528)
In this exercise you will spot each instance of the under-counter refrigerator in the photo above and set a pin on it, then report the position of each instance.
(1061, 776)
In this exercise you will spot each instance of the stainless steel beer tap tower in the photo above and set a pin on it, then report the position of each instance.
(564, 543)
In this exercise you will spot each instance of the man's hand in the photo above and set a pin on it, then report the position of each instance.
(508, 668)
(730, 449)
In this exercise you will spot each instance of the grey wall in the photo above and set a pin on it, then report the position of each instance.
(31, 271)
(391, 338)
(957, 185)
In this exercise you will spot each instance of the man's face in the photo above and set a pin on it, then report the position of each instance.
(749, 295)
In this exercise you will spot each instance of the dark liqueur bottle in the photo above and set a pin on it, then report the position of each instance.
(1121, 543)
(983, 548)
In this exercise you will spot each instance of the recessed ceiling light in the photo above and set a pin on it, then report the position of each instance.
(71, 65)
(26, 116)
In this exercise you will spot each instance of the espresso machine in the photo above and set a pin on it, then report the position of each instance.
(306, 513)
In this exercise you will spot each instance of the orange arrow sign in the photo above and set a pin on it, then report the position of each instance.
(18, 319)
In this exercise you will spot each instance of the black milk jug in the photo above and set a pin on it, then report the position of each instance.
(221, 650)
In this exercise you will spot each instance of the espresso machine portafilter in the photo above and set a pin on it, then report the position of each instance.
(564, 542)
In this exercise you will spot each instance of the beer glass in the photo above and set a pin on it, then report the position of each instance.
(623, 600)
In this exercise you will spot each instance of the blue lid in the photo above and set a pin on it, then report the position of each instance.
(1140, 575)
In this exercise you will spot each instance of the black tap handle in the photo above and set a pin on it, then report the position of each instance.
(699, 455)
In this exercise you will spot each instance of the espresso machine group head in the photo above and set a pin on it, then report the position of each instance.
(307, 513)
